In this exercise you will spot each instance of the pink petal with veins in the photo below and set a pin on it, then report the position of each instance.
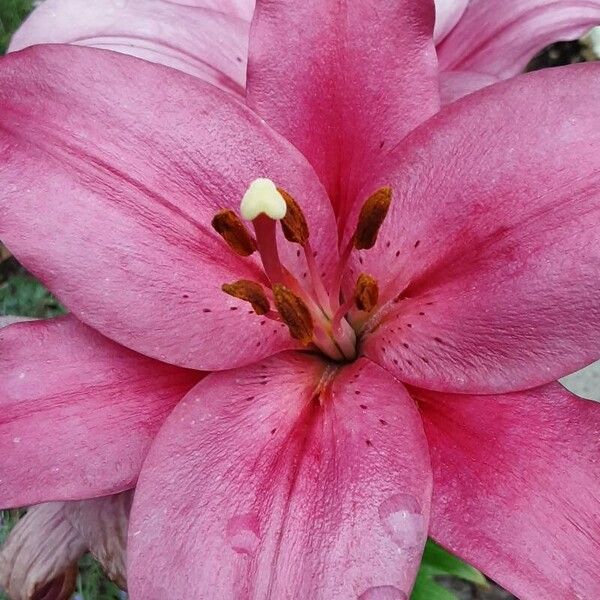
(516, 487)
(490, 255)
(205, 39)
(130, 161)
(499, 37)
(77, 411)
(275, 481)
(343, 81)
(454, 85)
(447, 15)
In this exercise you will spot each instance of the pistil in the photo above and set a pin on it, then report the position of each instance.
(266, 241)
(315, 316)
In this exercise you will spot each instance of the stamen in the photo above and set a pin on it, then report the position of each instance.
(340, 313)
(230, 227)
(371, 218)
(365, 298)
(366, 292)
(294, 225)
(262, 197)
(295, 229)
(252, 292)
(294, 313)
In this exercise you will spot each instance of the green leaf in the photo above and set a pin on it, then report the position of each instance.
(437, 562)
(22, 295)
(12, 14)
(92, 584)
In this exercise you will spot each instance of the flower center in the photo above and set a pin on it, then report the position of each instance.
(316, 315)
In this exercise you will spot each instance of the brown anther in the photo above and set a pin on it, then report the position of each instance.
(366, 292)
(252, 292)
(371, 217)
(231, 228)
(294, 313)
(294, 225)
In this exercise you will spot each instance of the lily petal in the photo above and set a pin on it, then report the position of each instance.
(457, 84)
(499, 37)
(102, 524)
(6, 320)
(77, 412)
(39, 558)
(243, 9)
(38, 561)
(344, 81)
(284, 480)
(516, 487)
(197, 37)
(490, 254)
(130, 161)
(447, 15)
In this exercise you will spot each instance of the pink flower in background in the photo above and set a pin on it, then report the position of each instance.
(39, 559)
(335, 431)
(478, 42)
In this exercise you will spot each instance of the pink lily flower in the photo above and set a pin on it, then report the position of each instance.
(478, 42)
(375, 376)
(38, 561)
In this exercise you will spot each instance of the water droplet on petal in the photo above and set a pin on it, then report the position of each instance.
(383, 592)
(403, 520)
(242, 533)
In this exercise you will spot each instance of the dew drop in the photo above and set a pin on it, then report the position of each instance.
(403, 520)
(383, 592)
(242, 533)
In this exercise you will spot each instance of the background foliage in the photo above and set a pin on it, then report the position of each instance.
(12, 13)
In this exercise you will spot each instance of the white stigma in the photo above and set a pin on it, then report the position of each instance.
(262, 197)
